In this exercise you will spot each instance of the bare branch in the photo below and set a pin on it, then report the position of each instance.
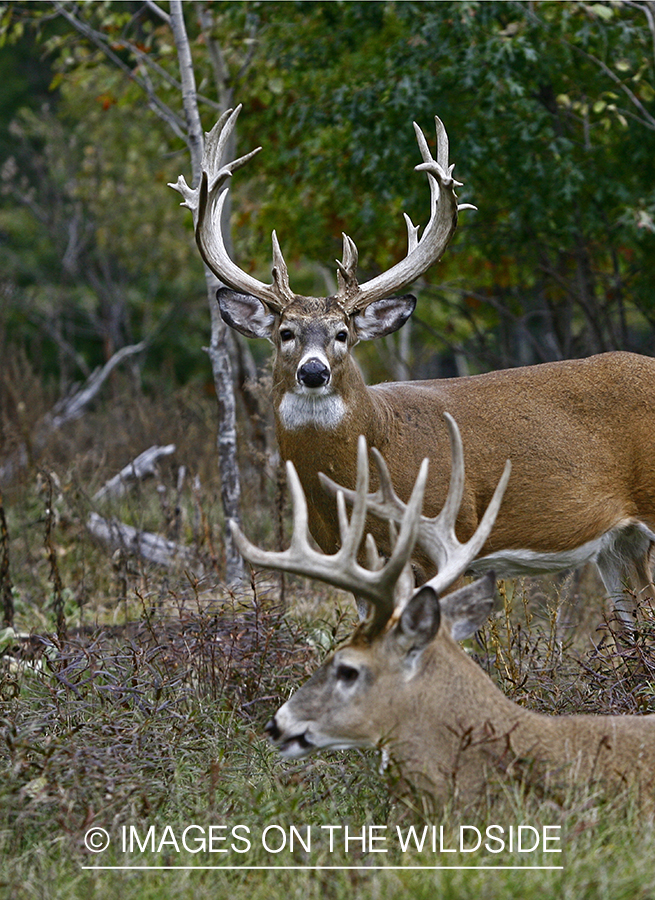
(194, 126)
(145, 464)
(153, 547)
(156, 104)
(67, 410)
(73, 407)
(158, 11)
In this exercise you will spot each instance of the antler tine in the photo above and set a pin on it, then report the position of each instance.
(384, 503)
(376, 584)
(358, 517)
(410, 523)
(445, 520)
(436, 535)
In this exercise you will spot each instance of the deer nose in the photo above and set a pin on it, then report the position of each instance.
(313, 373)
(272, 730)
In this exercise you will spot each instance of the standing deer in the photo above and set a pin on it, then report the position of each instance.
(403, 684)
(580, 433)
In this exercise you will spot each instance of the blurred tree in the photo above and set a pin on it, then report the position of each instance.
(551, 112)
(94, 188)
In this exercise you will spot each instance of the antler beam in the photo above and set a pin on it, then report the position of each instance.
(421, 253)
(436, 535)
(207, 201)
(384, 585)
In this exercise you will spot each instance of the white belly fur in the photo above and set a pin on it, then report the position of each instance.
(613, 552)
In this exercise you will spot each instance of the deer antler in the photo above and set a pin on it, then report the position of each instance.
(384, 585)
(207, 200)
(421, 253)
(378, 582)
(436, 535)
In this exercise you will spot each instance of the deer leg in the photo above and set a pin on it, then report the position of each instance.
(643, 573)
(615, 578)
(624, 566)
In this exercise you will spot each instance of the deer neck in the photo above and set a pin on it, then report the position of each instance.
(480, 732)
(482, 736)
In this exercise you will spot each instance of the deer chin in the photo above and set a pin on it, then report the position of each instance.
(305, 743)
(296, 747)
(315, 407)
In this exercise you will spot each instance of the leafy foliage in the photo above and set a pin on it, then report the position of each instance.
(550, 108)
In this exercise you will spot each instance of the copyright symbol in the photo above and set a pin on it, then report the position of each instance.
(96, 840)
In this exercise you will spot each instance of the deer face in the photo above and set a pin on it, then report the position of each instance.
(312, 344)
(334, 709)
(313, 339)
(368, 690)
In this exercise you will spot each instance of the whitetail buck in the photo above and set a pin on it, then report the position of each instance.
(404, 685)
(580, 433)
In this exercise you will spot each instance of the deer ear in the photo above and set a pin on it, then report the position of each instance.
(467, 609)
(419, 620)
(383, 317)
(245, 313)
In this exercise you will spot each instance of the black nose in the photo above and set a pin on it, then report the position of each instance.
(313, 373)
(272, 730)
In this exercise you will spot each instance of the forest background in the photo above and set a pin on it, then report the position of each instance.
(550, 113)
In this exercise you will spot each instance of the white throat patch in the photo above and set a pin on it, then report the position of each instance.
(298, 410)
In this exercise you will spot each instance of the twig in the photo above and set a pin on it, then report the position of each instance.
(55, 576)
(6, 587)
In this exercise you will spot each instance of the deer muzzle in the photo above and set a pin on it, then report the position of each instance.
(292, 746)
(313, 373)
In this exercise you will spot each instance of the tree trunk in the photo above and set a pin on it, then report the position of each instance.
(218, 355)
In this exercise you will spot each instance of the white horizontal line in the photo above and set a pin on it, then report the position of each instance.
(319, 868)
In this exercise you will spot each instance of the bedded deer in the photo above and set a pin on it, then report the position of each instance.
(580, 433)
(403, 684)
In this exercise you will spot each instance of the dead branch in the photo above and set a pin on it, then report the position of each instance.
(145, 464)
(153, 547)
(66, 410)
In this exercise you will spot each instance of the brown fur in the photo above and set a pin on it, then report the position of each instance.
(579, 434)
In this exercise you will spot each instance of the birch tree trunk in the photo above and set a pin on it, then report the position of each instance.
(218, 352)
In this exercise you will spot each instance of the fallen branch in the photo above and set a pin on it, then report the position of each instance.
(153, 547)
(73, 407)
(66, 410)
(145, 464)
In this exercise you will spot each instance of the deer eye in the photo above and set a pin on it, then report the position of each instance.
(286, 334)
(347, 674)
(341, 336)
